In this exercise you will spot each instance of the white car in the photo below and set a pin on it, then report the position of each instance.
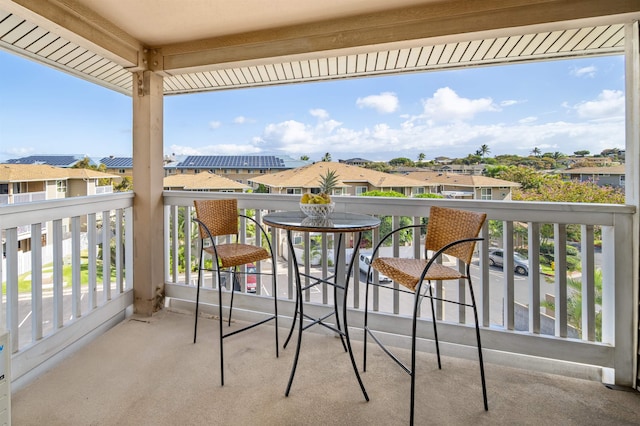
(365, 260)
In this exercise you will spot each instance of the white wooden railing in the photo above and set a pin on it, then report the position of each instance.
(516, 330)
(61, 302)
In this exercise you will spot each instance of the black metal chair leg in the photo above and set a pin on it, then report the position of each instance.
(234, 281)
(298, 344)
(274, 290)
(220, 321)
(480, 360)
(195, 326)
(435, 327)
(366, 322)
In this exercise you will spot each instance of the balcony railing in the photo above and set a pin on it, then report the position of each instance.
(62, 300)
(26, 197)
(63, 305)
(517, 328)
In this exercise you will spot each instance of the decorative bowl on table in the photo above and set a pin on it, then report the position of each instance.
(317, 211)
(315, 222)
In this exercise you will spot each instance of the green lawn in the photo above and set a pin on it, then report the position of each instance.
(24, 280)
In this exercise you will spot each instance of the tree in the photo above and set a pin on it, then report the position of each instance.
(401, 161)
(536, 152)
(484, 150)
(304, 157)
(581, 153)
(126, 184)
(529, 178)
(557, 190)
(574, 303)
(326, 157)
(421, 157)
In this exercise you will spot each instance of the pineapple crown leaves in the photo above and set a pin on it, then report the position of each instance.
(328, 181)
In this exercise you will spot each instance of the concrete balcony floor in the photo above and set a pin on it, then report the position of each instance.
(147, 371)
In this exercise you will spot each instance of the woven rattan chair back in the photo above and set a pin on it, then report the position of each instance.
(219, 216)
(447, 225)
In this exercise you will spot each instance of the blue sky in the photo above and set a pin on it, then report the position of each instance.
(561, 106)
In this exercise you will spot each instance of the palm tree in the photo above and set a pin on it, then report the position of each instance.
(484, 150)
(536, 152)
(304, 157)
(421, 157)
(574, 303)
(326, 157)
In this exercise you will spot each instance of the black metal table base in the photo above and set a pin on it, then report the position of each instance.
(300, 316)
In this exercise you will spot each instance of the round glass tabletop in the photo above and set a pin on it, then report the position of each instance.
(335, 222)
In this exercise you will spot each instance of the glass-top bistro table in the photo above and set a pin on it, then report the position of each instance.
(338, 223)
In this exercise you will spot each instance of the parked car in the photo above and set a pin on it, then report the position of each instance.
(251, 278)
(365, 260)
(520, 264)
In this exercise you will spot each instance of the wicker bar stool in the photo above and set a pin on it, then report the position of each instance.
(449, 231)
(217, 218)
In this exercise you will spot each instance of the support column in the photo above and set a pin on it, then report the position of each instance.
(148, 173)
(632, 190)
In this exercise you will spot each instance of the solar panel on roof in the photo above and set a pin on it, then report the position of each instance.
(232, 161)
(52, 160)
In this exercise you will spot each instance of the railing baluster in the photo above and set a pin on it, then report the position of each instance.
(484, 301)
(588, 284)
(507, 270)
(533, 234)
(128, 247)
(36, 282)
(11, 236)
(560, 257)
(76, 288)
(92, 259)
(106, 256)
(58, 320)
(119, 264)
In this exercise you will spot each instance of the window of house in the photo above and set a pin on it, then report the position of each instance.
(361, 190)
(418, 190)
(485, 193)
(121, 171)
(294, 191)
(622, 180)
(61, 186)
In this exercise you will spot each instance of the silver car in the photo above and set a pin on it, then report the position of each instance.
(520, 264)
(365, 260)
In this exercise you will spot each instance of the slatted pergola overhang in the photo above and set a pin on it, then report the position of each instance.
(411, 38)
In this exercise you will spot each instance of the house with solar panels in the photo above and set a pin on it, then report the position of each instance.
(239, 168)
(121, 166)
(64, 161)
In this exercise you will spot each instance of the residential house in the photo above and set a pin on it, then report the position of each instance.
(65, 161)
(23, 183)
(603, 176)
(353, 180)
(241, 168)
(470, 187)
(356, 161)
(121, 166)
(203, 182)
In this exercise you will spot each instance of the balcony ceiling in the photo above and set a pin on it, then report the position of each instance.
(204, 45)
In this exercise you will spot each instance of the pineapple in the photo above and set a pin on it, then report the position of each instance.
(328, 183)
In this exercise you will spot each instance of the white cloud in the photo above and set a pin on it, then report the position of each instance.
(509, 102)
(589, 71)
(241, 120)
(384, 103)
(319, 113)
(446, 105)
(215, 124)
(609, 103)
(526, 120)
